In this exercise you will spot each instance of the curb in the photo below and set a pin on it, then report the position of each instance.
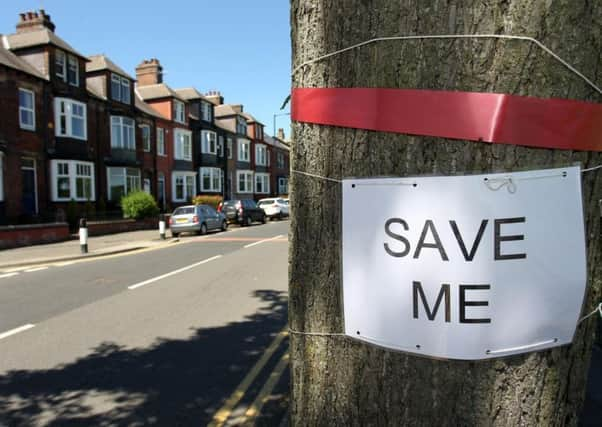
(78, 257)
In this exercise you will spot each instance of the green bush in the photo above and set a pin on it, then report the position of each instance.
(207, 200)
(139, 205)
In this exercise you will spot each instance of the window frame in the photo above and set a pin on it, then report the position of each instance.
(186, 177)
(126, 180)
(146, 143)
(124, 88)
(261, 149)
(241, 142)
(32, 110)
(60, 54)
(72, 59)
(72, 176)
(123, 126)
(206, 111)
(282, 183)
(206, 142)
(176, 111)
(161, 142)
(229, 147)
(249, 181)
(179, 152)
(69, 118)
(265, 178)
(212, 172)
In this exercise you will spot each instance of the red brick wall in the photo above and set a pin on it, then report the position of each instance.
(25, 235)
(99, 228)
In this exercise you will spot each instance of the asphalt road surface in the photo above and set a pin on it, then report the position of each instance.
(189, 334)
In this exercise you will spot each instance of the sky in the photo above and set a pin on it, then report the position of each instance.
(238, 47)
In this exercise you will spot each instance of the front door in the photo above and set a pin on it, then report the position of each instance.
(161, 191)
(29, 201)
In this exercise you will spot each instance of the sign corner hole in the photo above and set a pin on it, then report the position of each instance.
(418, 346)
(352, 185)
(358, 332)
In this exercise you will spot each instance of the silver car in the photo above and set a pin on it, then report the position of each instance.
(197, 219)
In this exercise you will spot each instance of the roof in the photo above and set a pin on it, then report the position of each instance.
(9, 59)
(229, 125)
(37, 38)
(92, 91)
(157, 91)
(190, 93)
(145, 108)
(225, 110)
(101, 62)
(250, 118)
(275, 142)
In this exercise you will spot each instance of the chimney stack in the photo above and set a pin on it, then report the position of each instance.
(34, 21)
(215, 97)
(149, 72)
(280, 135)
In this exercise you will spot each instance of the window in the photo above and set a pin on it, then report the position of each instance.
(184, 187)
(208, 142)
(179, 114)
(262, 183)
(161, 141)
(60, 65)
(258, 132)
(27, 114)
(212, 179)
(122, 133)
(122, 181)
(243, 150)
(229, 148)
(280, 160)
(1, 176)
(70, 118)
(282, 185)
(146, 139)
(241, 125)
(72, 180)
(261, 155)
(245, 181)
(182, 145)
(220, 147)
(206, 111)
(120, 88)
(73, 71)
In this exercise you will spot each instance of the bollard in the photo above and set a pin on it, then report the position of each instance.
(83, 236)
(162, 226)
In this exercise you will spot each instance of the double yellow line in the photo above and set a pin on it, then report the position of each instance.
(222, 415)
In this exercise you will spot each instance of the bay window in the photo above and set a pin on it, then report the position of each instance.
(261, 155)
(60, 64)
(244, 150)
(208, 142)
(241, 125)
(72, 180)
(122, 181)
(183, 186)
(27, 113)
(122, 133)
(120, 88)
(262, 183)
(206, 112)
(245, 181)
(182, 145)
(70, 118)
(212, 179)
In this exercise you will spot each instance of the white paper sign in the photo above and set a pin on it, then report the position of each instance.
(464, 267)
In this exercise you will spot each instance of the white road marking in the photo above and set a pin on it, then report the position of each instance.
(31, 270)
(63, 264)
(2, 276)
(262, 241)
(171, 273)
(16, 331)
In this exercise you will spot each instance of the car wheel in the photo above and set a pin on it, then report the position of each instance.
(248, 221)
(263, 219)
(203, 229)
(174, 235)
(224, 225)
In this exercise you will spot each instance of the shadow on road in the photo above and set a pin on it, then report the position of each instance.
(172, 383)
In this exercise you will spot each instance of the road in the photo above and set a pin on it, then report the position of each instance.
(182, 335)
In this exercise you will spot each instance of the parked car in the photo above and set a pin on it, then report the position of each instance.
(274, 207)
(197, 219)
(242, 212)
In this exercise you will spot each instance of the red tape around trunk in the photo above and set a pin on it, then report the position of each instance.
(498, 118)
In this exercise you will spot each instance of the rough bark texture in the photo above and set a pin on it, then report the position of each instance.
(336, 381)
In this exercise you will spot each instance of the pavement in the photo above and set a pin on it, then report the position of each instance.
(70, 250)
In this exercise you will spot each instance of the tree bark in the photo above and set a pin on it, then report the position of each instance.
(337, 381)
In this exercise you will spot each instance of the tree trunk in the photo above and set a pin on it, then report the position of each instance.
(337, 381)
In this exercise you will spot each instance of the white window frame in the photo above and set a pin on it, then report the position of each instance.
(242, 142)
(206, 111)
(72, 60)
(249, 182)
(208, 142)
(161, 142)
(229, 144)
(123, 83)
(187, 176)
(146, 144)
(179, 110)
(125, 124)
(183, 147)
(69, 103)
(265, 181)
(282, 184)
(215, 175)
(261, 155)
(31, 110)
(241, 125)
(1, 176)
(128, 188)
(63, 64)
(72, 176)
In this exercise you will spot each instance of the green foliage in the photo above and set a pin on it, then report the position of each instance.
(207, 200)
(138, 205)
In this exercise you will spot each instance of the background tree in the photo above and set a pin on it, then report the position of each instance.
(336, 381)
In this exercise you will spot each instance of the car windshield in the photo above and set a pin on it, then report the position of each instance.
(264, 202)
(184, 211)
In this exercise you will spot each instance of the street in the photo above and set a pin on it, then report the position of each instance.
(182, 335)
